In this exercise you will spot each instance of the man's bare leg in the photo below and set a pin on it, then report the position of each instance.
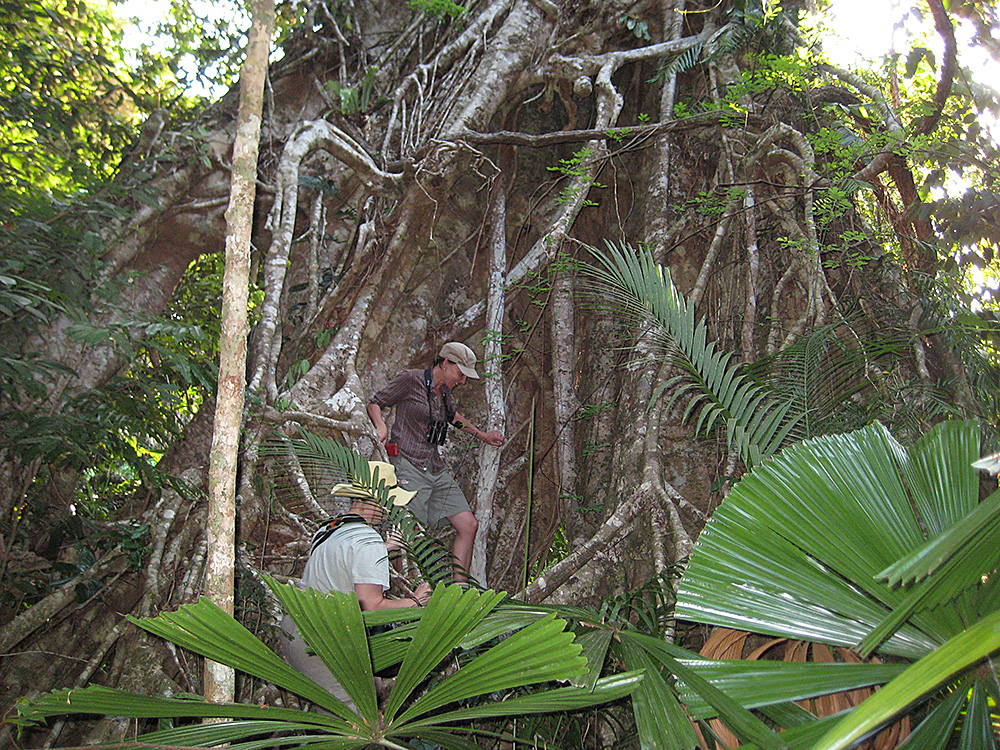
(466, 525)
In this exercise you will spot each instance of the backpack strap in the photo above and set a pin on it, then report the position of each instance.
(330, 525)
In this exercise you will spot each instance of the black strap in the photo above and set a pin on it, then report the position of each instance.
(330, 525)
(449, 413)
(428, 382)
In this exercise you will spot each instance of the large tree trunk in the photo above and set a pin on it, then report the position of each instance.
(375, 242)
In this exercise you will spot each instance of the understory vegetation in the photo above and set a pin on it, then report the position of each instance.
(735, 307)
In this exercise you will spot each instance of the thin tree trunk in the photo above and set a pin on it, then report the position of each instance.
(220, 681)
(489, 463)
(564, 401)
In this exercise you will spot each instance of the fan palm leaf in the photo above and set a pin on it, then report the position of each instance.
(543, 652)
(941, 665)
(816, 543)
(680, 685)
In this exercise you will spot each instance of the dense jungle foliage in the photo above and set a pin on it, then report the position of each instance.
(736, 307)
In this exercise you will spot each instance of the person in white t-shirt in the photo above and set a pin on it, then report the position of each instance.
(348, 555)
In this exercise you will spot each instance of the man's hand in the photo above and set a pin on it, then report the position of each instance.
(422, 594)
(493, 437)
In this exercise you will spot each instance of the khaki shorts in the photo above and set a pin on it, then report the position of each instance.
(438, 495)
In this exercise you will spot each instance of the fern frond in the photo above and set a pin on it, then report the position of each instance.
(716, 388)
(684, 61)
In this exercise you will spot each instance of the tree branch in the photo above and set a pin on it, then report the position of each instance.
(942, 24)
(512, 138)
(544, 585)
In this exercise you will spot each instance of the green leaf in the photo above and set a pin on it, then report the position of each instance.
(333, 626)
(918, 681)
(939, 725)
(204, 628)
(747, 726)
(938, 470)
(971, 542)
(542, 652)
(758, 683)
(659, 718)
(944, 486)
(595, 643)
(756, 424)
(506, 618)
(796, 548)
(561, 699)
(245, 735)
(98, 699)
(977, 729)
(451, 612)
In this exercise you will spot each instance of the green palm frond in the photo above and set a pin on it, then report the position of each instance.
(684, 61)
(657, 710)
(427, 554)
(304, 470)
(606, 690)
(760, 684)
(205, 629)
(964, 547)
(841, 379)
(332, 624)
(938, 726)
(718, 389)
(747, 726)
(734, 37)
(972, 645)
(648, 608)
(820, 375)
(595, 643)
(685, 686)
(432, 641)
(511, 653)
(347, 656)
(857, 541)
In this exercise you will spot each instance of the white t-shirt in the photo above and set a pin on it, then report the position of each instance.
(354, 553)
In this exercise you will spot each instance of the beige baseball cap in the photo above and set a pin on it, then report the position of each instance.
(462, 356)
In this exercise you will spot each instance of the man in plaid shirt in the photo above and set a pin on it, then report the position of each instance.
(424, 409)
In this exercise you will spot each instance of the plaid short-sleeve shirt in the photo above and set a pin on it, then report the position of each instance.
(407, 394)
